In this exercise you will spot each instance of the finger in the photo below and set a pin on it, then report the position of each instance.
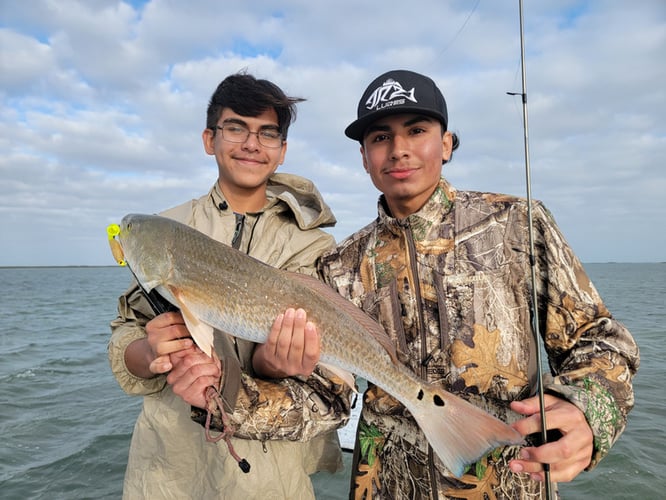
(274, 334)
(164, 322)
(532, 408)
(173, 346)
(191, 367)
(531, 463)
(182, 363)
(177, 356)
(166, 319)
(568, 456)
(167, 333)
(526, 406)
(571, 453)
(286, 331)
(532, 405)
(159, 365)
(312, 348)
(192, 387)
(297, 339)
(529, 425)
(560, 471)
(204, 374)
(563, 449)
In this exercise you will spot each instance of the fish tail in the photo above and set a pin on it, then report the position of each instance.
(459, 432)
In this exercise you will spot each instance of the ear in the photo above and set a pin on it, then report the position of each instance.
(283, 153)
(447, 146)
(208, 138)
(365, 161)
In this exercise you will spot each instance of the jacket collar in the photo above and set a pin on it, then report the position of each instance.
(290, 193)
(438, 205)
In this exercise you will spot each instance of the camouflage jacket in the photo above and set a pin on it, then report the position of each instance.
(451, 285)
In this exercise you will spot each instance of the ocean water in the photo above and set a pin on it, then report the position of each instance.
(65, 425)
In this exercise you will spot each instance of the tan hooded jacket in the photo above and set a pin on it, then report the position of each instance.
(285, 429)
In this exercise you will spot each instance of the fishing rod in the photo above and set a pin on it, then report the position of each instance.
(530, 230)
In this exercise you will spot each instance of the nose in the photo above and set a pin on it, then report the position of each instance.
(251, 141)
(399, 147)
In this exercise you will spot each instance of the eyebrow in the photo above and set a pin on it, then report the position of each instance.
(408, 123)
(237, 121)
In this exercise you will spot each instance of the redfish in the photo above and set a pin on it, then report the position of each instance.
(219, 288)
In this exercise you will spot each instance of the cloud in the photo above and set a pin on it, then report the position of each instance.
(104, 103)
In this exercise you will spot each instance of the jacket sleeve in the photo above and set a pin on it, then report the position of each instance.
(134, 312)
(291, 408)
(592, 356)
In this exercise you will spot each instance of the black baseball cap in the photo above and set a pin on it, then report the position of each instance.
(398, 91)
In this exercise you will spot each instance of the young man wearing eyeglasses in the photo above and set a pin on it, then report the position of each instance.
(261, 213)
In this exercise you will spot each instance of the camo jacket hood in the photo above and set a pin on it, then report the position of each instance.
(451, 286)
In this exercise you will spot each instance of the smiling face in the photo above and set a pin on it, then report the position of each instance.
(244, 167)
(403, 153)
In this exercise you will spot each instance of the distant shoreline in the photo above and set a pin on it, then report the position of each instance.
(60, 267)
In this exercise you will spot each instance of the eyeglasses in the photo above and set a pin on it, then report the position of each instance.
(235, 132)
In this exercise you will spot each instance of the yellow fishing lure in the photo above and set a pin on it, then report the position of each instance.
(112, 231)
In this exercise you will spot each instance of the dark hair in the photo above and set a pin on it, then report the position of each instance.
(454, 145)
(249, 96)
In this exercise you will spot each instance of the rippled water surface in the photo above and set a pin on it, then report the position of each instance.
(65, 425)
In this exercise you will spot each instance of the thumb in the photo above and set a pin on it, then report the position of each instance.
(160, 364)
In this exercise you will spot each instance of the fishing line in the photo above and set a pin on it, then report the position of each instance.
(462, 27)
(530, 230)
(157, 303)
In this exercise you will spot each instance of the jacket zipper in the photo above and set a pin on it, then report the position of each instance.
(238, 231)
(425, 357)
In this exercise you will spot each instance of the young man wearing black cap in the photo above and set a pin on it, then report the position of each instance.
(447, 274)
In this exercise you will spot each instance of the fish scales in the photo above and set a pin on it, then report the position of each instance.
(216, 286)
(250, 294)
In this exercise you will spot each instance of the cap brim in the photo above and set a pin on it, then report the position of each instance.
(356, 129)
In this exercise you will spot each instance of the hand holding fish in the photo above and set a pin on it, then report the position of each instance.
(192, 373)
(149, 356)
(292, 347)
(567, 456)
(166, 334)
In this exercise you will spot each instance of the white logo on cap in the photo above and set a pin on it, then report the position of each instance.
(385, 95)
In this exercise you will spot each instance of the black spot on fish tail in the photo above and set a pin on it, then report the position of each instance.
(438, 400)
(420, 396)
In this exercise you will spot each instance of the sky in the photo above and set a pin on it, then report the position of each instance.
(104, 102)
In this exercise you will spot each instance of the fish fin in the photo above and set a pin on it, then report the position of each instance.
(344, 375)
(459, 432)
(201, 332)
(367, 322)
